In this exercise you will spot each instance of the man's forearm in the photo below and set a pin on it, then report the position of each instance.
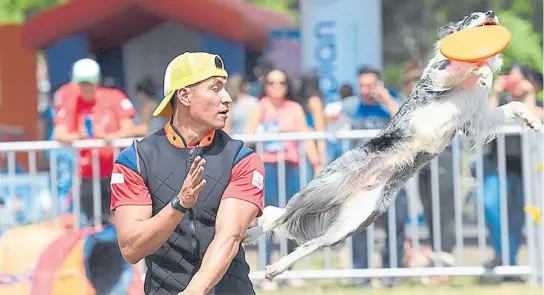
(66, 137)
(216, 261)
(123, 132)
(147, 236)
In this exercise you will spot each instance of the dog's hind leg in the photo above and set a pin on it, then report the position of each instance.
(358, 210)
(269, 220)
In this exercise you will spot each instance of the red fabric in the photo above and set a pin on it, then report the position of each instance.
(244, 185)
(233, 20)
(106, 112)
(247, 181)
(128, 189)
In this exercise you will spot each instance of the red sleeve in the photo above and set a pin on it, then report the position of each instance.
(127, 188)
(247, 181)
(123, 106)
(64, 106)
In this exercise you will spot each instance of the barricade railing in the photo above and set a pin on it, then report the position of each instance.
(472, 213)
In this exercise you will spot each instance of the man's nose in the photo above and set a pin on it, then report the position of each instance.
(490, 14)
(226, 98)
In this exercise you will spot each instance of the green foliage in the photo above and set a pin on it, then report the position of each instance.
(392, 75)
(526, 44)
(283, 6)
(13, 11)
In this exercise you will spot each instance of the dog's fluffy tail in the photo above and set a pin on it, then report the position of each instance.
(272, 220)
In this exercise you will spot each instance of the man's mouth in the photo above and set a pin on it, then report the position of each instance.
(488, 22)
(224, 112)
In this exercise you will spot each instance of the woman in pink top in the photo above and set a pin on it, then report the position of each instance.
(273, 114)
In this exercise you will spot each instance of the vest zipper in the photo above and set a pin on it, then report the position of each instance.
(192, 217)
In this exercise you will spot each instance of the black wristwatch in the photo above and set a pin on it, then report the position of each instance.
(176, 204)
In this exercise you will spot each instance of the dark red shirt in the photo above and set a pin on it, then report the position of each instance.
(105, 112)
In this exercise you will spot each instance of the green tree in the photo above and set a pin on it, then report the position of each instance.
(15, 11)
(289, 7)
(526, 44)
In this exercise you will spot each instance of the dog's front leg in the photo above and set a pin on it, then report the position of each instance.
(517, 109)
(485, 76)
(494, 119)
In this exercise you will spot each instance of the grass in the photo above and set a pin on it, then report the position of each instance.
(458, 285)
(461, 286)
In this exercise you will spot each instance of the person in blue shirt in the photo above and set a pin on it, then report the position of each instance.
(373, 109)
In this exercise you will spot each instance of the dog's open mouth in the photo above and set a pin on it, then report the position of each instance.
(488, 22)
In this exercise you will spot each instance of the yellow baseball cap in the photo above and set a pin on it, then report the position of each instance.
(187, 69)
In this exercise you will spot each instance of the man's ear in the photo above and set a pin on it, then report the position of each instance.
(184, 96)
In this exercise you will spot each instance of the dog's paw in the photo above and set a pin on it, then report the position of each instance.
(534, 123)
(272, 271)
(485, 79)
(520, 110)
(485, 82)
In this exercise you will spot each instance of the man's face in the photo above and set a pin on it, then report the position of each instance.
(210, 103)
(367, 84)
(88, 90)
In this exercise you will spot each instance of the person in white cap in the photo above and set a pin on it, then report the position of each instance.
(86, 110)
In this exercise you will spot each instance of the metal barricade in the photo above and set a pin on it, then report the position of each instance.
(471, 247)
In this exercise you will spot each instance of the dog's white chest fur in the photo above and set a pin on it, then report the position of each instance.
(433, 126)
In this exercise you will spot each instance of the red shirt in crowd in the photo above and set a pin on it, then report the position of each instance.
(128, 187)
(105, 112)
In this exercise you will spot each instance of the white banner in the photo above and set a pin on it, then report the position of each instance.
(338, 37)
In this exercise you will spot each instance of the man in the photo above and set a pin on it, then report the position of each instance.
(85, 110)
(184, 196)
(373, 110)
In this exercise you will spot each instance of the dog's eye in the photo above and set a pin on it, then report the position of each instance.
(473, 17)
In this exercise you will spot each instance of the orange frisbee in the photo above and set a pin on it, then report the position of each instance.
(476, 44)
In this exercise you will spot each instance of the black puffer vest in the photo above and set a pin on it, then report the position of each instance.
(164, 168)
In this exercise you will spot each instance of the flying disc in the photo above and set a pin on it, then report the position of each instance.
(476, 44)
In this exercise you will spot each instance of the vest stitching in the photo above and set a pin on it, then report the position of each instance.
(163, 182)
(162, 260)
(214, 149)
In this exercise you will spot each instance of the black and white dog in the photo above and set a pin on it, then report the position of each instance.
(356, 188)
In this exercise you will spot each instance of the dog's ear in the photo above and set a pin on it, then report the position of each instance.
(446, 30)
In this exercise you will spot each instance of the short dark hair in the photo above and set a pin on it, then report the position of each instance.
(370, 70)
(346, 91)
(174, 100)
(147, 86)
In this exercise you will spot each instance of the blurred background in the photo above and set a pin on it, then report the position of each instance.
(468, 223)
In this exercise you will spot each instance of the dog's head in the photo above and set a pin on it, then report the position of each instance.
(475, 19)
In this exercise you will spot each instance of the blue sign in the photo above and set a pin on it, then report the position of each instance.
(338, 37)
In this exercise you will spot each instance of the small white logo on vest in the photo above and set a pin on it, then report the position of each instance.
(257, 179)
(117, 178)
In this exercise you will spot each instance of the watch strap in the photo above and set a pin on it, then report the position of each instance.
(176, 204)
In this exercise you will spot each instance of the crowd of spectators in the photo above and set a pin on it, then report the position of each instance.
(269, 103)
